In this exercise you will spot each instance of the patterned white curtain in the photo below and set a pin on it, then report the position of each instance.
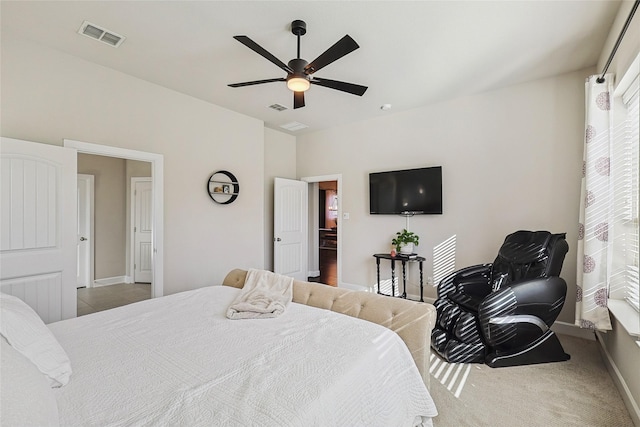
(596, 209)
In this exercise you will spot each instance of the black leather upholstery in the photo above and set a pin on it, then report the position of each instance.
(500, 313)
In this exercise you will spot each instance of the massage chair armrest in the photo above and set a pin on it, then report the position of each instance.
(474, 281)
(540, 298)
(467, 287)
(472, 271)
(475, 275)
(519, 318)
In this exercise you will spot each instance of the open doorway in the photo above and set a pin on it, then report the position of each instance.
(327, 231)
(156, 204)
(117, 243)
(324, 229)
(299, 211)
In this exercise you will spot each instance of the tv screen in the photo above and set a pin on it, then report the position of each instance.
(406, 192)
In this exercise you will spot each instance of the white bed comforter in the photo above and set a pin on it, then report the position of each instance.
(178, 360)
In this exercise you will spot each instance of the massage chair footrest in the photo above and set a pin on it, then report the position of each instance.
(454, 351)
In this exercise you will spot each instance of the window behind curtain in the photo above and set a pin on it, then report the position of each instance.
(624, 170)
(632, 99)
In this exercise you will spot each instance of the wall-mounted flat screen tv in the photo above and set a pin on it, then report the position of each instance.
(406, 192)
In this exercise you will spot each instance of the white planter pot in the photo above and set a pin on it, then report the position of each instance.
(407, 248)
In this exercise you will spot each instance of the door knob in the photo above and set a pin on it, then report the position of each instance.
(277, 239)
(82, 239)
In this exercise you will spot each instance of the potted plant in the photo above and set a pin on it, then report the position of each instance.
(405, 241)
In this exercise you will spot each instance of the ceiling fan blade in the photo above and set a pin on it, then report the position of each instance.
(342, 47)
(298, 100)
(261, 51)
(343, 86)
(257, 82)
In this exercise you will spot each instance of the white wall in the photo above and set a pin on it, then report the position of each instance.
(48, 96)
(279, 161)
(511, 158)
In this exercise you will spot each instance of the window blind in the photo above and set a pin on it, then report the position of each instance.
(631, 99)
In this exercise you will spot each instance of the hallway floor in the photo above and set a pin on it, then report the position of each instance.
(91, 300)
(328, 268)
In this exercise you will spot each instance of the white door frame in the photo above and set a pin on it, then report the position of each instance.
(90, 179)
(157, 174)
(132, 215)
(338, 178)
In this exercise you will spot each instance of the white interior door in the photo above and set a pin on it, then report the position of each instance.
(290, 237)
(142, 231)
(85, 231)
(38, 226)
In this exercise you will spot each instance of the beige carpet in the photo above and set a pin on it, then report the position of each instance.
(578, 392)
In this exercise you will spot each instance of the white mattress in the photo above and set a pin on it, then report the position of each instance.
(178, 360)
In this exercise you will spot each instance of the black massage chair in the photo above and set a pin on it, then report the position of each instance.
(500, 313)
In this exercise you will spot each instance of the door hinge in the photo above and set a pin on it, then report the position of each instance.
(135, 229)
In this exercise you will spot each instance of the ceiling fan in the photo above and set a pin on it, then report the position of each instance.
(299, 72)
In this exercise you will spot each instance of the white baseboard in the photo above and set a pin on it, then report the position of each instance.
(417, 298)
(354, 287)
(618, 380)
(373, 289)
(313, 273)
(570, 329)
(110, 281)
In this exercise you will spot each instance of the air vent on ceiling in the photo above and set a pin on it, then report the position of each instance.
(98, 33)
(293, 126)
(277, 107)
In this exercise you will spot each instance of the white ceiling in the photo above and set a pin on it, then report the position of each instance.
(411, 53)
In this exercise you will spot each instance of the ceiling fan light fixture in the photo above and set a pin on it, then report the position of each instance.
(299, 71)
(298, 84)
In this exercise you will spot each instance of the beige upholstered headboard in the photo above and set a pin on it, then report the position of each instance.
(412, 321)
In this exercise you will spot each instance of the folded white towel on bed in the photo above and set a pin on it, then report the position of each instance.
(265, 294)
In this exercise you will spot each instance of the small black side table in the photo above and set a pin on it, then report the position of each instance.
(404, 260)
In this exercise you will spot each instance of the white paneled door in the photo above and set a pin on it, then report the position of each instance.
(38, 221)
(142, 230)
(290, 228)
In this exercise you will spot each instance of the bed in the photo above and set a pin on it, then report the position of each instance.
(177, 360)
